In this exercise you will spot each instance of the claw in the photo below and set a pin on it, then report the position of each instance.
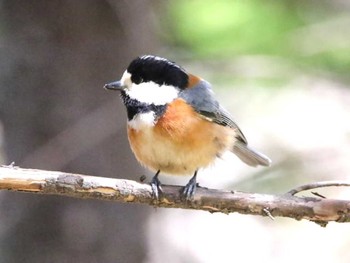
(189, 190)
(156, 186)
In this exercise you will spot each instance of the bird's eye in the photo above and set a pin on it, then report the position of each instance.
(136, 79)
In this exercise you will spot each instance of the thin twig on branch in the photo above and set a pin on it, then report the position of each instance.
(317, 185)
(319, 210)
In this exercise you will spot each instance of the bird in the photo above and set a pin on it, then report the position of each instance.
(175, 125)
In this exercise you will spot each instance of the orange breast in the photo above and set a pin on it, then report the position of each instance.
(181, 141)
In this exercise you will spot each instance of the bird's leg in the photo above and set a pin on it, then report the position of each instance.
(156, 186)
(189, 190)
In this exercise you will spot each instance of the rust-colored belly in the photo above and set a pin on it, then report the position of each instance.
(180, 142)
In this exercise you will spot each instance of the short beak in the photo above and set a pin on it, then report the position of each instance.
(117, 85)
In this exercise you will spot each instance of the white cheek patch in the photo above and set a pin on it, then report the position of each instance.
(126, 79)
(152, 93)
(142, 120)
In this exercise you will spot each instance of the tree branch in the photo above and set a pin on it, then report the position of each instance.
(319, 210)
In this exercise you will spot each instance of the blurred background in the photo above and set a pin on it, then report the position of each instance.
(280, 67)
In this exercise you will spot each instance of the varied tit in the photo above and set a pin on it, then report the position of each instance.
(175, 125)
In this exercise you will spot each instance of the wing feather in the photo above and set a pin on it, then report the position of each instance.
(201, 98)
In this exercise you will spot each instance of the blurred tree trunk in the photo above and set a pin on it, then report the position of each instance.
(55, 58)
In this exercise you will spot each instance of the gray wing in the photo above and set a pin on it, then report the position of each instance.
(201, 98)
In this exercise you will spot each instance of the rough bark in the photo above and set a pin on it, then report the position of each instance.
(316, 209)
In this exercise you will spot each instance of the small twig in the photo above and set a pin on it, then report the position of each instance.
(268, 213)
(11, 165)
(142, 178)
(318, 195)
(316, 185)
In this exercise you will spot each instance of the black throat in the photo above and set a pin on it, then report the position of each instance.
(134, 107)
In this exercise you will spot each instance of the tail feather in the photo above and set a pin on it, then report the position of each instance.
(249, 155)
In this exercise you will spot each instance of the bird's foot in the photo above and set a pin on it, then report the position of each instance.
(189, 190)
(156, 186)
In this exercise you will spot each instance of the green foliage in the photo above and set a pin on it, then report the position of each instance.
(218, 27)
(229, 28)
